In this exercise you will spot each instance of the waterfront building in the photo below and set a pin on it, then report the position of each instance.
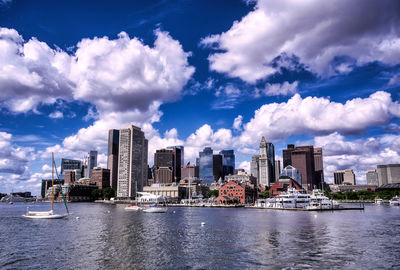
(388, 174)
(46, 184)
(206, 165)
(354, 188)
(218, 171)
(282, 185)
(232, 192)
(254, 168)
(228, 162)
(101, 177)
(372, 177)
(69, 177)
(172, 193)
(266, 165)
(241, 177)
(190, 171)
(319, 167)
(112, 158)
(293, 173)
(164, 159)
(344, 177)
(277, 169)
(132, 162)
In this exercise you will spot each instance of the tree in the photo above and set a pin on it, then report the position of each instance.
(265, 194)
(212, 193)
(108, 193)
(96, 194)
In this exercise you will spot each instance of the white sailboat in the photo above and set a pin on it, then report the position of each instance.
(47, 214)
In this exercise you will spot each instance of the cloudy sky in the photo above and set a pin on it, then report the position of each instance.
(205, 73)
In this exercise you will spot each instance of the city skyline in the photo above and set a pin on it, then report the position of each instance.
(220, 83)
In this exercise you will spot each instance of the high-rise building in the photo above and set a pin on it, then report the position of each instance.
(70, 165)
(292, 172)
(132, 162)
(164, 158)
(338, 177)
(277, 169)
(218, 169)
(266, 163)
(372, 177)
(101, 177)
(303, 160)
(91, 162)
(182, 148)
(287, 155)
(190, 172)
(228, 162)
(178, 161)
(254, 169)
(112, 158)
(388, 174)
(319, 167)
(206, 165)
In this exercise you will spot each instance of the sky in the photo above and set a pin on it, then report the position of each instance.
(198, 73)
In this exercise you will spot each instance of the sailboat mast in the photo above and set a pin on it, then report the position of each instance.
(52, 180)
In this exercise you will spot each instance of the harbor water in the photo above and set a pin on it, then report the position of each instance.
(103, 236)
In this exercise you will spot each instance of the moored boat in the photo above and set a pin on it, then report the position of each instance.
(154, 208)
(394, 201)
(319, 201)
(378, 201)
(133, 208)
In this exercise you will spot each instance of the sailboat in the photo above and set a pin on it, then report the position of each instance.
(48, 214)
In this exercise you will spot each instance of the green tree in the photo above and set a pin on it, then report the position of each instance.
(212, 193)
(265, 194)
(108, 193)
(96, 194)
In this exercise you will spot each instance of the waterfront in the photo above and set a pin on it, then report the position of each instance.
(107, 237)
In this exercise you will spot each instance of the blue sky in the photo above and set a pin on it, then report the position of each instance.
(198, 73)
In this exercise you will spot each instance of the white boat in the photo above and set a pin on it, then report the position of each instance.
(378, 201)
(394, 201)
(292, 198)
(47, 214)
(319, 201)
(133, 208)
(154, 208)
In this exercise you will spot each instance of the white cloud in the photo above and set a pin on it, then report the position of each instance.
(237, 123)
(313, 115)
(363, 31)
(276, 89)
(56, 115)
(394, 80)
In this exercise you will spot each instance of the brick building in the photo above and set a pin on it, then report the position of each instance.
(101, 177)
(282, 184)
(232, 192)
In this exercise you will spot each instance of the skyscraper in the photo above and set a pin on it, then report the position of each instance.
(388, 174)
(372, 177)
(287, 155)
(277, 169)
(182, 148)
(266, 163)
(112, 159)
(319, 167)
(303, 161)
(91, 162)
(132, 162)
(254, 169)
(178, 161)
(206, 165)
(218, 169)
(164, 159)
(228, 162)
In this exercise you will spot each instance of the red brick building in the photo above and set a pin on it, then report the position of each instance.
(232, 192)
(282, 184)
(101, 177)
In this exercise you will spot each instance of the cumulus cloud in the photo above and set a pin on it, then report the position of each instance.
(14, 159)
(56, 115)
(278, 89)
(115, 75)
(316, 116)
(363, 31)
(237, 123)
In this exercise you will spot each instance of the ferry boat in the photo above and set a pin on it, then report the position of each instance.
(378, 201)
(394, 201)
(319, 201)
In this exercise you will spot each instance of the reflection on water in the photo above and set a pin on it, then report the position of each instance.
(107, 237)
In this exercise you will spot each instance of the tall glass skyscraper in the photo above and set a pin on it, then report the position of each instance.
(206, 165)
(228, 161)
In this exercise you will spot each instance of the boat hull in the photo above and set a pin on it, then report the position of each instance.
(54, 216)
(155, 210)
(133, 208)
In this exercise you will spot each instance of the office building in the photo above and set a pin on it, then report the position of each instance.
(178, 161)
(164, 158)
(91, 162)
(344, 177)
(277, 169)
(190, 172)
(206, 165)
(372, 177)
(293, 173)
(101, 177)
(254, 169)
(68, 165)
(228, 162)
(302, 158)
(218, 169)
(319, 167)
(287, 155)
(266, 163)
(338, 177)
(112, 158)
(388, 174)
(132, 162)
